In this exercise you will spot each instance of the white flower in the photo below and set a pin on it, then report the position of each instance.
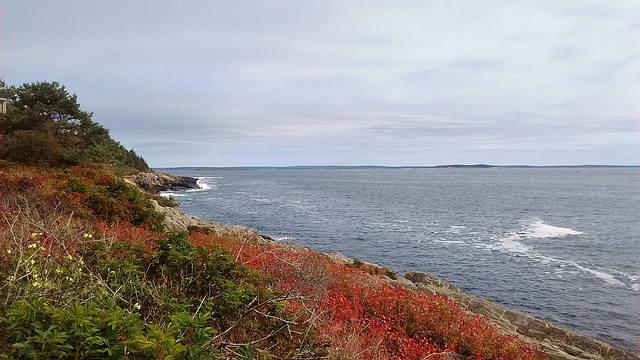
(136, 306)
(8, 251)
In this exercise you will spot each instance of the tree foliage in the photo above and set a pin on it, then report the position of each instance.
(45, 126)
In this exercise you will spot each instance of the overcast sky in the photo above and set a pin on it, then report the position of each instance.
(232, 83)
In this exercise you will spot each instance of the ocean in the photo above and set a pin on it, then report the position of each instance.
(562, 244)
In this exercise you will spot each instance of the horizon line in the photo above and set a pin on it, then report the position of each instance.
(394, 166)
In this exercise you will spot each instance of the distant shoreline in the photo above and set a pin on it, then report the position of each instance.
(363, 167)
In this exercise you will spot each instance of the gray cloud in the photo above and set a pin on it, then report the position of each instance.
(290, 82)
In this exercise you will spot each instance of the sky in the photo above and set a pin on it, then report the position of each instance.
(303, 82)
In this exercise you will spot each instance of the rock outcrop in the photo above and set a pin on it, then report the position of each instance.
(559, 343)
(154, 182)
(176, 219)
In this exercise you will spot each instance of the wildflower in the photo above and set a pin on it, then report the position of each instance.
(88, 236)
(59, 271)
(32, 262)
(8, 251)
(36, 234)
(36, 284)
(136, 306)
(32, 246)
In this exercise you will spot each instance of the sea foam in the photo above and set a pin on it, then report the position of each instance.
(202, 183)
(539, 230)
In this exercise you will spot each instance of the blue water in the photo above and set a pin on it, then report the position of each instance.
(561, 244)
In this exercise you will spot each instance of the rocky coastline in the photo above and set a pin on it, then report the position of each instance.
(557, 342)
(155, 182)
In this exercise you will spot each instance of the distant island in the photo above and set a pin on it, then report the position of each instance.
(365, 167)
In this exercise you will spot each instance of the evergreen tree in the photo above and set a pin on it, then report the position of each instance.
(45, 126)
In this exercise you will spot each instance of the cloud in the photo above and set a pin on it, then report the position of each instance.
(316, 82)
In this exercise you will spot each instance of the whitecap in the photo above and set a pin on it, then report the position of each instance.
(511, 244)
(286, 239)
(539, 230)
(608, 278)
(170, 193)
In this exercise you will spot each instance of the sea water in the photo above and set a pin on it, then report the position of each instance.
(562, 244)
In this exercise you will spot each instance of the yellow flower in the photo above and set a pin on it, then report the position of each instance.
(36, 234)
(88, 236)
(31, 246)
(136, 306)
(8, 251)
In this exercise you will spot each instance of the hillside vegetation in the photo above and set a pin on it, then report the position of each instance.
(44, 126)
(88, 270)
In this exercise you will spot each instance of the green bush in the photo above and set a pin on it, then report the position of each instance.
(100, 330)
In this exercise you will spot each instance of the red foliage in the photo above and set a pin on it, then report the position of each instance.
(137, 237)
(364, 318)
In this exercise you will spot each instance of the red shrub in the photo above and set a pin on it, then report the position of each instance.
(138, 237)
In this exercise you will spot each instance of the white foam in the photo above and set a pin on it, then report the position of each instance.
(533, 230)
(539, 230)
(170, 193)
(285, 239)
(608, 278)
(511, 244)
(202, 183)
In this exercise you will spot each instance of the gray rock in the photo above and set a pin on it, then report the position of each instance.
(177, 220)
(154, 182)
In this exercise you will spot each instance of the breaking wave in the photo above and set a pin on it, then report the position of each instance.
(537, 229)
